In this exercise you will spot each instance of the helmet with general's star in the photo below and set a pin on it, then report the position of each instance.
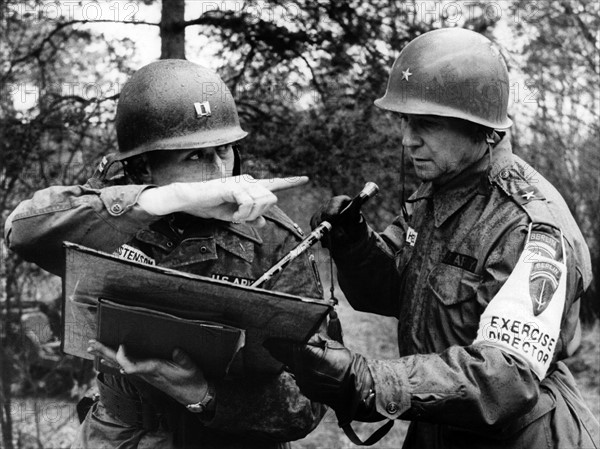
(174, 104)
(451, 72)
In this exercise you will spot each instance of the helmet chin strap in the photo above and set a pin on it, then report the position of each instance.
(490, 141)
(237, 160)
(403, 192)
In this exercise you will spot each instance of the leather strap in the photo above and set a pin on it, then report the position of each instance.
(374, 438)
(132, 411)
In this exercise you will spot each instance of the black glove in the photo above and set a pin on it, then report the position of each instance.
(347, 227)
(329, 373)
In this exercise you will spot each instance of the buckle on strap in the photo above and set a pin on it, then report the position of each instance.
(132, 411)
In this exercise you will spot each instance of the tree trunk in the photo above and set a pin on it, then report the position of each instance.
(172, 30)
(8, 273)
(5, 400)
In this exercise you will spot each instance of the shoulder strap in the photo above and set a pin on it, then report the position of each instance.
(544, 205)
(374, 438)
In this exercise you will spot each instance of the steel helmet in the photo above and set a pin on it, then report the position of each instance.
(174, 104)
(451, 72)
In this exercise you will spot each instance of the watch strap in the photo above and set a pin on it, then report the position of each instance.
(200, 406)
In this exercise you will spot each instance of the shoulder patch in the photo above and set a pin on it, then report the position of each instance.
(524, 316)
(545, 244)
(276, 215)
(543, 282)
(545, 252)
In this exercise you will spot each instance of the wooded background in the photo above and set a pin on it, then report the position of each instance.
(304, 75)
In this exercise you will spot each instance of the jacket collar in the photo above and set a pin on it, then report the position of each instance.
(502, 162)
(245, 230)
(452, 196)
(189, 227)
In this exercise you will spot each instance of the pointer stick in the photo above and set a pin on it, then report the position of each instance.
(369, 190)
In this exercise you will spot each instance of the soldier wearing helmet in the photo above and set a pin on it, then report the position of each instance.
(485, 276)
(181, 204)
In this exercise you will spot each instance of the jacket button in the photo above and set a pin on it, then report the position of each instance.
(504, 174)
(203, 249)
(169, 244)
(392, 408)
(116, 208)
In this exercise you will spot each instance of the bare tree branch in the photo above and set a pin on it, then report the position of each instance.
(589, 36)
(37, 50)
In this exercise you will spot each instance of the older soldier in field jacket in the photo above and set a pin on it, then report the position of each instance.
(485, 275)
(179, 207)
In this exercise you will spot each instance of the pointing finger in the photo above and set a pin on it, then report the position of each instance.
(277, 184)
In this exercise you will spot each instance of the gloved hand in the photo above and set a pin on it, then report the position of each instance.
(346, 228)
(329, 373)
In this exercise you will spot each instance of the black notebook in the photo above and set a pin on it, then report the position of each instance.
(150, 333)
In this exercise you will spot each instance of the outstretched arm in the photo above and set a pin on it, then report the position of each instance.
(104, 217)
(238, 198)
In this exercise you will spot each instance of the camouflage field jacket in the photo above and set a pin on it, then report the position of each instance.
(104, 216)
(437, 272)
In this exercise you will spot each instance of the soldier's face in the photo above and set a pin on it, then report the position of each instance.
(439, 147)
(200, 164)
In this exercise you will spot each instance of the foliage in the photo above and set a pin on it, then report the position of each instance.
(304, 74)
(305, 82)
(561, 59)
(56, 102)
(305, 77)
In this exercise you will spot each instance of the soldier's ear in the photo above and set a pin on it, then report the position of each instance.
(138, 169)
(145, 172)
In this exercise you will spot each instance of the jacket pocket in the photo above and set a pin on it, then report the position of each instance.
(453, 285)
(191, 251)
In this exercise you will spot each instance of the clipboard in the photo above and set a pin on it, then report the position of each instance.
(262, 314)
